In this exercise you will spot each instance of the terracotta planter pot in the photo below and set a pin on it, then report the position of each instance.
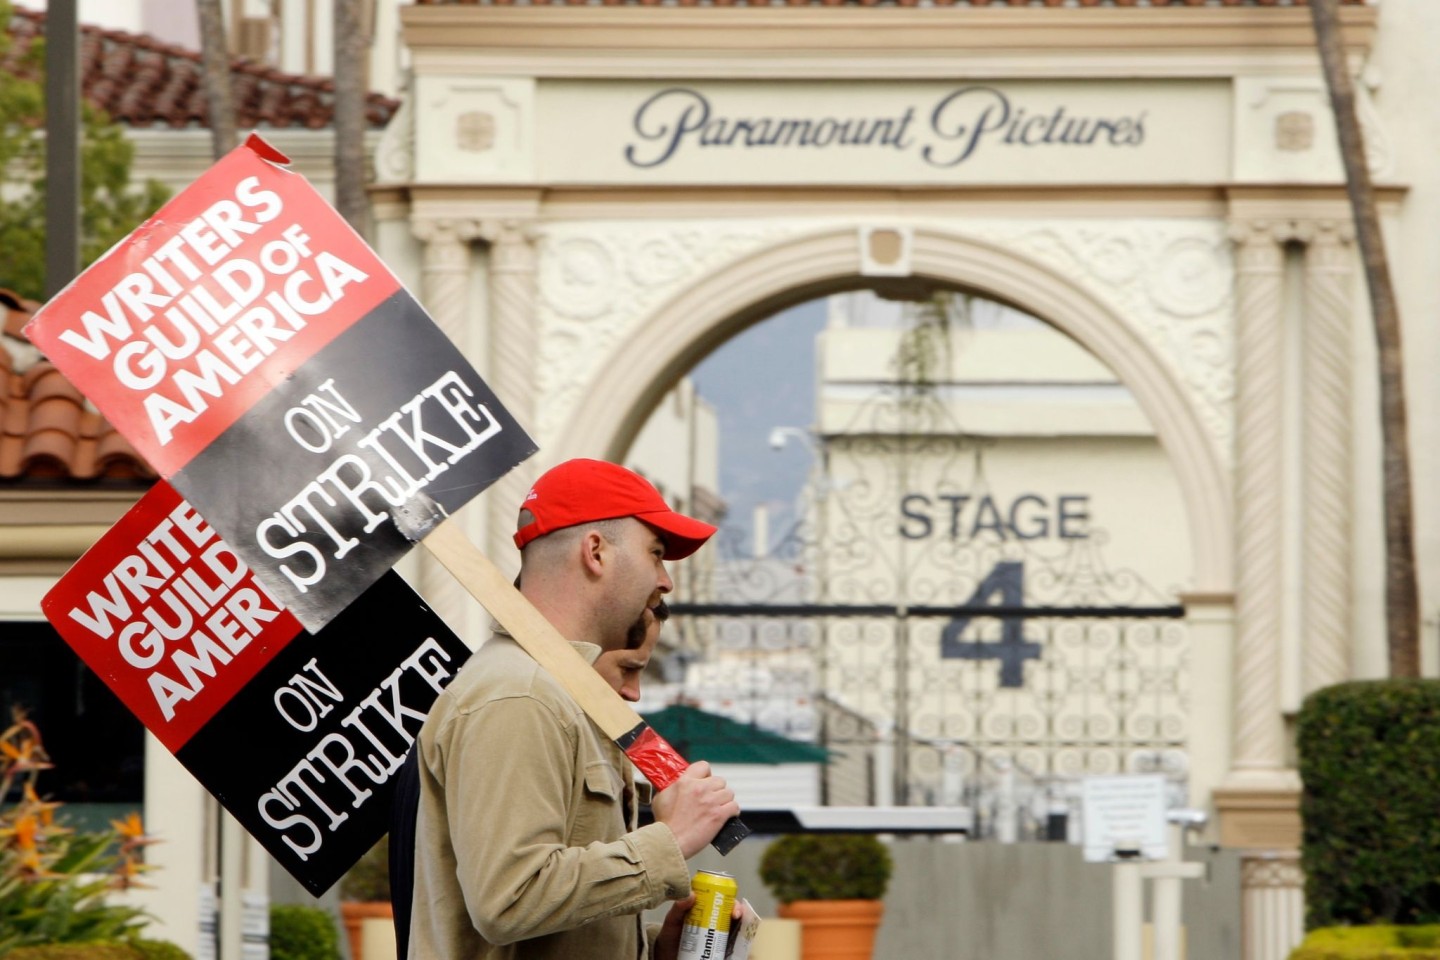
(835, 929)
(354, 913)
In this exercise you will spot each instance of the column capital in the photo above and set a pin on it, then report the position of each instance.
(512, 244)
(1313, 231)
(507, 230)
(1272, 869)
(1330, 245)
(1258, 243)
(446, 242)
(1265, 232)
(445, 230)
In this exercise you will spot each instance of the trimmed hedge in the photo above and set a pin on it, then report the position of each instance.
(1370, 762)
(1370, 943)
(300, 932)
(826, 866)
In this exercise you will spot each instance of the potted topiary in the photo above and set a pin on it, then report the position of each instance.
(832, 883)
(299, 932)
(365, 896)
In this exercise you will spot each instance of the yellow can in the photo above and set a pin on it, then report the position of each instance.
(707, 925)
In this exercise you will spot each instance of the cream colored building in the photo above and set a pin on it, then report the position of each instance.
(589, 199)
(621, 188)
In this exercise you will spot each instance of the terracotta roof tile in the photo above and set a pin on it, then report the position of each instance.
(48, 433)
(142, 82)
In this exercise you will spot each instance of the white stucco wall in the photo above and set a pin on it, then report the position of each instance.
(1404, 76)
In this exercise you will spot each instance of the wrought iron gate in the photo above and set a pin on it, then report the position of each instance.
(950, 641)
(1104, 692)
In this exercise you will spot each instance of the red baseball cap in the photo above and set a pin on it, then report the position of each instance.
(583, 491)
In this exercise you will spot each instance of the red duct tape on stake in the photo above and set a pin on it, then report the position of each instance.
(662, 765)
(656, 759)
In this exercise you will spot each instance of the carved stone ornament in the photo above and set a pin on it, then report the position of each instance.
(475, 131)
(395, 154)
(1294, 131)
(1192, 277)
(598, 282)
(1279, 872)
(1170, 280)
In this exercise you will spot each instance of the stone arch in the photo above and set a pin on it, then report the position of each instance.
(698, 319)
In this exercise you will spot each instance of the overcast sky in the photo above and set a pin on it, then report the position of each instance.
(762, 379)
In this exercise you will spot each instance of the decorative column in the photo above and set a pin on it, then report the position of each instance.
(1258, 804)
(445, 280)
(1259, 735)
(445, 273)
(514, 342)
(1327, 460)
(1272, 905)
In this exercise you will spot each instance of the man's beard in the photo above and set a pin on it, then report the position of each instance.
(635, 635)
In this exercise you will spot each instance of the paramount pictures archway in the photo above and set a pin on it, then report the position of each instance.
(1112, 680)
(692, 323)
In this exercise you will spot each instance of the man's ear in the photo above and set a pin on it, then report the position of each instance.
(593, 552)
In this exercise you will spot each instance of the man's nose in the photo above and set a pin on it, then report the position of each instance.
(666, 584)
(630, 690)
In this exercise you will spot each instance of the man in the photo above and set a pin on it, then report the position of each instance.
(526, 844)
(624, 668)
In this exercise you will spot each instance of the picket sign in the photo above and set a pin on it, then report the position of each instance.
(298, 735)
(258, 353)
(263, 359)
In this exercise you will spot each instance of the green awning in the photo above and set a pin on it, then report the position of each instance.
(699, 735)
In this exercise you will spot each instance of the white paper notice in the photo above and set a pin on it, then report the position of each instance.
(1124, 813)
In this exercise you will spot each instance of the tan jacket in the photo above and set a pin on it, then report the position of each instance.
(525, 846)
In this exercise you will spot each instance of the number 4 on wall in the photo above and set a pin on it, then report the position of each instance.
(1007, 583)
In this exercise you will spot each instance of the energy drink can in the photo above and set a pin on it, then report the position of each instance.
(707, 925)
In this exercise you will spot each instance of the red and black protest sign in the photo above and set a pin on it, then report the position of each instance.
(260, 356)
(298, 735)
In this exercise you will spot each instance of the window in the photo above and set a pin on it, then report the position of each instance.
(95, 743)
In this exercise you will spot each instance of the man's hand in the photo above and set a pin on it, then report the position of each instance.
(740, 917)
(667, 942)
(695, 807)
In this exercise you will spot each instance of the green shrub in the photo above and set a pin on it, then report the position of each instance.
(55, 882)
(77, 951)
(369, 878)
(160, 950)
(826, 866)
(1370, 762)
(303, 933)
(101, 950)
(1370, 943)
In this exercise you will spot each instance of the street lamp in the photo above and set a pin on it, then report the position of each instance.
(779, 435)
(820, 484)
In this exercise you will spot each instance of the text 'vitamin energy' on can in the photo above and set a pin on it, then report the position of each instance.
(707, 925)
